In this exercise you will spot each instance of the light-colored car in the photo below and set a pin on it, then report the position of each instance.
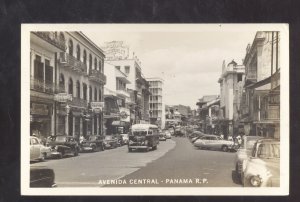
(167, 134)
(36, 149)
(244, 152)
(263, 167)
(213, 142)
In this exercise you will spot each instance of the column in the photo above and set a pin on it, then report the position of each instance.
(73, 126)
(67, 124)
(98, 124)
(93, 129)
(80, 132)
(53, 121)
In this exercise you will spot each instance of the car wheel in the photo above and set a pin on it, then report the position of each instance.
(94, 148)
(43, 157)
(154, 147)
(224, 148)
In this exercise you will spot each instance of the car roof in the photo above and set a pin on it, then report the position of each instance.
(268, 140)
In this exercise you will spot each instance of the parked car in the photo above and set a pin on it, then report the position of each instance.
(93, 143)
(213, 142)
(244, 152)
(119, 138)
(63, 145)
(125, 137)
(110, 142)
(37, 150)
(41, 176)
(263, 167)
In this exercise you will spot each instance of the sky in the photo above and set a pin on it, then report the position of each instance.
(188, 60)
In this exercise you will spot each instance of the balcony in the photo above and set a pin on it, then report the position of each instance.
(78, 102)
(251, 75)
(97, 76)
(123, 93)
(52, 38)
(41, 86)
(72, 63)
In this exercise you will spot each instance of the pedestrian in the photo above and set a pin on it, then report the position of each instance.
(222, 136)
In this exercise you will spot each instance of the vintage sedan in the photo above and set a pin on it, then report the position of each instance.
(263, 167)
(162, 136)
(110, 142)
(167, 134)
(36, 149)
(41, 176)
(244, 152)
(93, 143)
(213, 142)
(63, 145)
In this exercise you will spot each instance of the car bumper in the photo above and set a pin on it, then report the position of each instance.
(87, 148)
(138, 147)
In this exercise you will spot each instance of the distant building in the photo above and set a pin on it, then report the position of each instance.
(260, 114)
(179, 113)
(157, 105)
(208, 111)
(118, 54)
(231, 87)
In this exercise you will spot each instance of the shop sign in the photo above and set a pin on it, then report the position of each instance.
(39, 109)
(62, 97)
(116, 50)
(97, 105)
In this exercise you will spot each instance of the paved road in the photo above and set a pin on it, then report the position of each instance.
(88, 169)
(187, 166)
(176, 163)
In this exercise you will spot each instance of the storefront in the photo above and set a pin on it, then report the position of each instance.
(41, 119)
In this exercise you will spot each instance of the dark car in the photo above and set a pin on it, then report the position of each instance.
(41, 176)
(120, 141)
(110, 142)
(93, 143)
(162, 136)
(63, 145)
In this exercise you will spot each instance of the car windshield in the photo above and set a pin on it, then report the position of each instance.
(250, 144)
(61, 138)
(268, 150)
(140, 133)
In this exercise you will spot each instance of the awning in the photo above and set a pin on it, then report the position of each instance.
(118, 123)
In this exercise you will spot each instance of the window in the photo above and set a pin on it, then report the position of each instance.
(118, 67)
(91, 93)
(78, 89)
(62, 82)
(78, 52)
(91, 62)
(100, 95)
(100, 66)
(95, 96)
(127, 69)
(71, 86)
(84, 57)
(38, 68)
(239, 77)
(70, 47)
(95, 63)
(48, 72)
(84, 91)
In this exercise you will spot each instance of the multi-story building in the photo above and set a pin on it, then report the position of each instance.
(81, 76)
(44, 48)
(67, 84)
(118, 55)
(156, 102)
(117, 111)
(177, 114)
(231, 88)
(261, 96)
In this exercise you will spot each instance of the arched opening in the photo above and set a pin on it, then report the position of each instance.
(71, 47)
(78, 89)
(78, 52)
(71, 86)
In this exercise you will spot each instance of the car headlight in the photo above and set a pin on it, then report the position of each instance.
(255, 181)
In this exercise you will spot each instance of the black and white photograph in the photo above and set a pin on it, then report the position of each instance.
(155, 109)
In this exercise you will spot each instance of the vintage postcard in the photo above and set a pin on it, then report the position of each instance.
(155, 109)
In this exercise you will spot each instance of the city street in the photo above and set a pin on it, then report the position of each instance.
(175, 163)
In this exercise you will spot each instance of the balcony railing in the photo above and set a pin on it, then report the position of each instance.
(97, 76)
(73, 63)
(78, 102)
(251, 75)
(41, 86)
(52, 38)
